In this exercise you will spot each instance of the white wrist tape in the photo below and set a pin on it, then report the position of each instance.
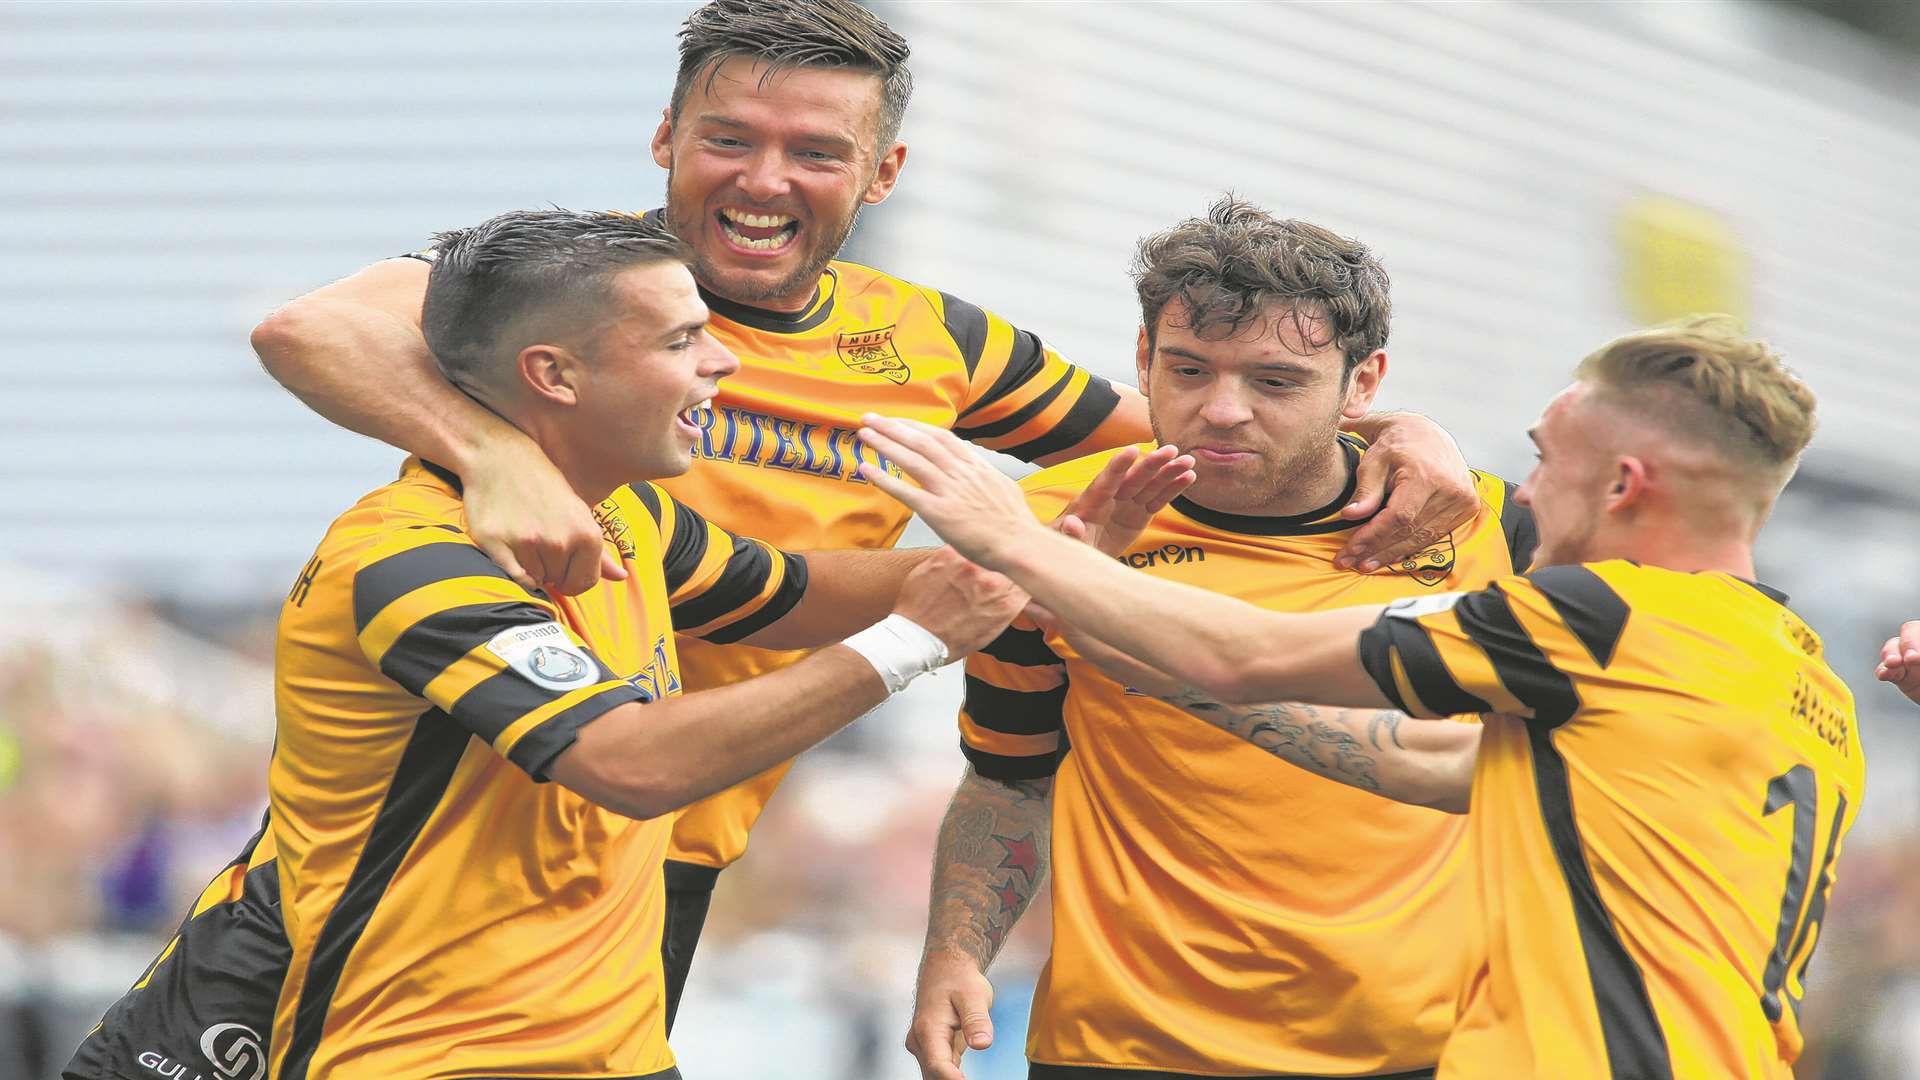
(899, 649)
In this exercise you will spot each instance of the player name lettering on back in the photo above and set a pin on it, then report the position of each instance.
(746, 437)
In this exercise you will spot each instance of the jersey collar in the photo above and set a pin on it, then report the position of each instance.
(817, 311)
(1326, 519)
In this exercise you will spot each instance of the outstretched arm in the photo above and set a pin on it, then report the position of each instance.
(1229, 649)
(1393, 755)
(988, 863)
(352, 351)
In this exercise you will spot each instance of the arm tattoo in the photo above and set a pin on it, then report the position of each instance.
(1300, 734)
(990, 860)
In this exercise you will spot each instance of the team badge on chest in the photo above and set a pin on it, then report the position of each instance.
(871, 352)
(1431, 566)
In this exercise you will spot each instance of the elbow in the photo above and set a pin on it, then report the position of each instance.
(281, 337)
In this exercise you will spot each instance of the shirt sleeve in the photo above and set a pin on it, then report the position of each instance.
(721, 587)
(1523, 646)
(448, 625)
(1023, 398)
(1012, 720)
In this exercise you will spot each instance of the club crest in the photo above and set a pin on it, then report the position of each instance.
(1429, 566)
(872, 352)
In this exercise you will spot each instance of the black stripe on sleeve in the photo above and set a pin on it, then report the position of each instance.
(1015, 712)
(1433, 684)
(536, 750)
(1097, 402)
(381, 583)
(967, 326)
(1630, 1029)
(1026, 359)
(686, 548)
(792, 587)
(1516, 523)
(1487, 617)
(1005, 768)
(744, 575)
(491, 705)
(649, 498)
(419, 782)
(1020, 416)
(431, 645)
(1587, 604)
(1022, 648)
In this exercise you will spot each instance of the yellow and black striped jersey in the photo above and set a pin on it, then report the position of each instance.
(778, 450)
(1666, 774)
(1216, 912)
(447, 912)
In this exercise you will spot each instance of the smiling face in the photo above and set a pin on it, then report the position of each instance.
(766, 176)
(645, 370)
(1258, 406)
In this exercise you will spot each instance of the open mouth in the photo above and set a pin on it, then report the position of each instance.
(695, 418)
(753, 231)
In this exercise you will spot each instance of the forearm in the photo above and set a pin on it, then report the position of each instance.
(988, 863)
(352, 351)
(847, 589)
(1228, 648)
(648, 760)
(1423, 762)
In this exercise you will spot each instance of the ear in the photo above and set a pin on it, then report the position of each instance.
(1631, 486)
(663, 140)
(1363, 382)
(551, 374)
(886, 173)
(1142, 359)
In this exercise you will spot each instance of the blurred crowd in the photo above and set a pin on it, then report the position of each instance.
(133, 745)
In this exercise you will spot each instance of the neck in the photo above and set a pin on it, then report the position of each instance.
(1686, 551)
(581, 470)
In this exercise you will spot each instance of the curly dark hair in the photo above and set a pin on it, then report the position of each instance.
(797, 33)
(1226, 268)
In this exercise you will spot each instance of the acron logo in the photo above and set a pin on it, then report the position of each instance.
(1165, 555)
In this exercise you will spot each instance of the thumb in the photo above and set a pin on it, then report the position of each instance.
(611, 568)
(1070, 526)
(1369, 484)
(976, 1025)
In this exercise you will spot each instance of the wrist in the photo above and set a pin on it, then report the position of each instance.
(899, 650)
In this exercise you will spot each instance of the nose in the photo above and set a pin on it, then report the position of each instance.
(1523, 495)
(1223, 407)
(763, 176)
(719, 361)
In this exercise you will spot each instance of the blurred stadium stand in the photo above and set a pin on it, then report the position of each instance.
(1537, 178)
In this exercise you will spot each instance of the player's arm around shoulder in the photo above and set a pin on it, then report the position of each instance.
(990, 859)
(353, 352)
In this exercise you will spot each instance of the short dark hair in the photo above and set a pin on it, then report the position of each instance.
(797, 33)
(1226, 267)
(505, 272)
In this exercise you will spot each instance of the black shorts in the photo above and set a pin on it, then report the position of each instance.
(689, 892)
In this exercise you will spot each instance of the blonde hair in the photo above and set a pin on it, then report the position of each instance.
(1704, 377)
